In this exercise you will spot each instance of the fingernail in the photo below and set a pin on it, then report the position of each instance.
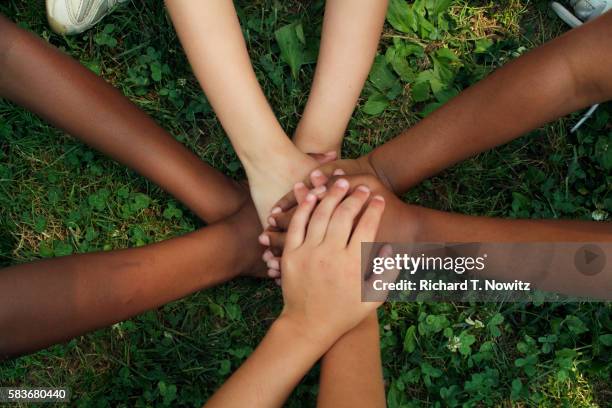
(364, 189)
(316, 173)
(339, 172)
(298, 185)
(264, 240)
(342, 183)
(272, 221)
(310, 197)
(267, 255)
(379, 198)
(276, 210)
(273, 273)
(386, 251)
(319, 190)
(278, 282)
(273, 264)
(331, 153)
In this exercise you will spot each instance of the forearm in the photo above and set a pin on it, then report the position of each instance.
(49, 301)
(550, 266)
(349, 39)
(273, 370)
(351, 371)
(211, 36)
(569, 73)
(59, 89)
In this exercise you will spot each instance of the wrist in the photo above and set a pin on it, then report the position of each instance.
(412, 222)
(373, 163)
(319, 336)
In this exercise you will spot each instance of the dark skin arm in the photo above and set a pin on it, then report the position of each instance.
(49, 301)
(40, 78)
(567, 74)
(560, 77)
(405, 223)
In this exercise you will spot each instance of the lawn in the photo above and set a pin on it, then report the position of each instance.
(58, 197)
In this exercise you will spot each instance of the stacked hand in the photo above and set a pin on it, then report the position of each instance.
(321, 183)
(321, 260)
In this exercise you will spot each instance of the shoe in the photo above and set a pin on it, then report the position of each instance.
(584, 10)
(75, 16)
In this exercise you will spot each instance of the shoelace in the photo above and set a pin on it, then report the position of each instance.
(573, 21)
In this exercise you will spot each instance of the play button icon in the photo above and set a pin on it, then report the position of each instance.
(590, 260)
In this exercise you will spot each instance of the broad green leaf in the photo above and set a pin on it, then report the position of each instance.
(436, 7)
(445, 53)
(410, 339)
(291, 47)
(400, 64)
(376, 104)
(381, 75)
(575, 325)
(420, 92)
(482, 45)
(606, 339)
(400, 16)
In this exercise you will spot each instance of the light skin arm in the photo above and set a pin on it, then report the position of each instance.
(319, 306)
(211, 36)
(49, 83)
(560, 77)
(349, 39)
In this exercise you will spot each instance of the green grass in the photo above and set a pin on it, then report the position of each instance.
(58, 197)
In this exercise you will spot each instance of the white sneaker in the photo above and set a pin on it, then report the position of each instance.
(76, 16)
(584, 10)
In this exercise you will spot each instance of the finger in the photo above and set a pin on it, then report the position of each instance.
(274, 263)
(264, 238)
(277, 240)
(345, 215)
(291, 199)
(297, 228)
(324, 158)
(317, 178)
(267, 255)
(274, 273)
(367, 228)
(377, 291)
(323, 213)
(282, 219)
(299, 191)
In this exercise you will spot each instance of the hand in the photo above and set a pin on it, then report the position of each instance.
(401, 222)
(319, 176)
(321, 261)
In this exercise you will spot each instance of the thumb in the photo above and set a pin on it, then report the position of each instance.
(324, 158)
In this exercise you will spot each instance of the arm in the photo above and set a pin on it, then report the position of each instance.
(566, 74)
(319, 306)
(351, 31)
(347, 381)
(54, 86)
(49, 301)
(211, 36)
(408, 223)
